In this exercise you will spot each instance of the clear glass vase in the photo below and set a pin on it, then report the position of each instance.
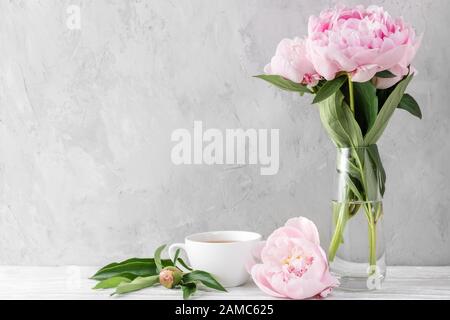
(357, 249)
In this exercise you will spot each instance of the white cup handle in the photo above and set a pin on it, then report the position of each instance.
(173, 249)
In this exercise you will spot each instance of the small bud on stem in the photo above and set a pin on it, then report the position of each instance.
(169, 277)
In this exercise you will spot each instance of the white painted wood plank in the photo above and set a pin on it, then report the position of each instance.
(72, 282)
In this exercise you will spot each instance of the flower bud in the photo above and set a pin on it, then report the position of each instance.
(169, 277)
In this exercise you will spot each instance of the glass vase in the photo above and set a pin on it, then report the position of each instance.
(357, 250)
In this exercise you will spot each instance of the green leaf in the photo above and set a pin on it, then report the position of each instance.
(382, 95)
(346, 165)
(108, 266)
(372, 187)
(284, 84)
(126, 261)
(184, 264)
(366, 109)
(339, 122)
(137, 284)
(111, 282)
(329, 88)
(135, 267)
(188, 289)
(385, 74)
(386, 112)
(380, 173)
(409, 104)
(175, 258)
(126, 275)
(158, 263)
(349, 182)
(340, 212)
(205, 278)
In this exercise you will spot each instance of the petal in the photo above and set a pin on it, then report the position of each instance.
(302, 289)
(325, 67)
(326, 292)
(284, 48)
(365, 57)
(384, 83)
(319, 266)
(286, 231)
(291, 60)
(337, 55)
(278, 245)
(262, 281)
(391, 57)
(280, 66)
(307, 227)
(328, 280)
(364, 73)
(257, 249)
(255, 255)
(278, 284)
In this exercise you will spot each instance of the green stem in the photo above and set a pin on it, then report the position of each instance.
(372, 244)
(338, 230)
(372, 247)
(371, 218)
(372, 224)
(350, 91)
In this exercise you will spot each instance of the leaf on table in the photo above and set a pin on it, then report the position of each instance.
(184, 264)
(111, 282)
(339, 122)
(135, 266)
(284, 84)
(409, 104)
(329, 88)
(386, 112)
(113, 264)
(205, 278)
(175, 258)
(137, 284)
(188, 289)
(158, 262)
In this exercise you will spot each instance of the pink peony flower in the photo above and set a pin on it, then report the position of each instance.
(293, 263)
(362, 41)
(291, 62)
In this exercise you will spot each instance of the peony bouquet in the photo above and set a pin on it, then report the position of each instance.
(356, 62)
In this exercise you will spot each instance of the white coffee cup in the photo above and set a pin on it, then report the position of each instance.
(224, 254)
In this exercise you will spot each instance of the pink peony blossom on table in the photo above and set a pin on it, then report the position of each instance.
(293, 265)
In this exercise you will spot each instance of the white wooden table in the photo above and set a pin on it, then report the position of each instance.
(72, 282)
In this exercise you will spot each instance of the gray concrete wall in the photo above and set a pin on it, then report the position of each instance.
(86, 117)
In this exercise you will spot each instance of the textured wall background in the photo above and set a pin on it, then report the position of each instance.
(86, 118)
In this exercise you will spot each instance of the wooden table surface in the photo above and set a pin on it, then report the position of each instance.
(72, 282)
